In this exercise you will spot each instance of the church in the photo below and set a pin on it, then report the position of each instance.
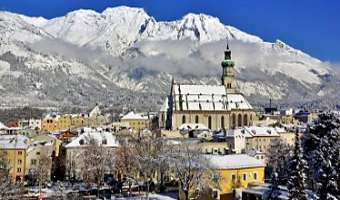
(215, 106)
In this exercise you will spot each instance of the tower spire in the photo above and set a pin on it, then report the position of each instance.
(227, 52)
(228, 76)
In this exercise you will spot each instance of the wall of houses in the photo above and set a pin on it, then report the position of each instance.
(260, 143)
(64, 122)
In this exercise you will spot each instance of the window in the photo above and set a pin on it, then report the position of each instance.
(239, 118)
(104, 141)
(245, 120)
(19, 170)
(33, 162)
(183, 119)
(233, 120)
(209, 122)
(19, 152)
(233, 178)
(222, 122)
(196, 119)
(19, 161)
(255, 176)
(244, 177)
(38, 153)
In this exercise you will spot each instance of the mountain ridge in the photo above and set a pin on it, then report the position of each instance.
(124, 49)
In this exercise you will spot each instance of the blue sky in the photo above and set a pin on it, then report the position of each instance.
(309, 25)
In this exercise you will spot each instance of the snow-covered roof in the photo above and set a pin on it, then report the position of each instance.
(13, 142)
(95, 111)
(165, 106)
(134, 116)
(42, 140)
(234, 161)
(102, 138)
(2, 126)
(207, 98)
(193, 127)
(52, 116)
(255, 131)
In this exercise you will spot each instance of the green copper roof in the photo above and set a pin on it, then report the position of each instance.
(228, 63)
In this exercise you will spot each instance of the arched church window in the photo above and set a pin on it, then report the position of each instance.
(196, 119)
(222, 122)
(209, 122)
(245, 120)
(239, 120)
(233, 120)
(183, 119)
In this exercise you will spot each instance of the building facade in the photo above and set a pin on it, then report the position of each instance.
(139, 121)
(215, 106)
(236, 171)
(13, 149)
(76, 150)
(42, 149)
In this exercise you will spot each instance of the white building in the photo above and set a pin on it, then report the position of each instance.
(252, 138)
(75, 149)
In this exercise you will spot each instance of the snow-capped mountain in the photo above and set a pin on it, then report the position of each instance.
(86, 57)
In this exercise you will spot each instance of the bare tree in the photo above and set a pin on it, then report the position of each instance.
(192, 169)
(146, 157)
(44, 169)
(96, 161)
(5, 179)
(8, 189)
(125, 164)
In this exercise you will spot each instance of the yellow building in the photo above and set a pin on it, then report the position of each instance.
(13, 148)
(64, 122)
(50, 123)
(215, 106)
(236, 171)
(68, 121)
(78, 120)
(136, 121)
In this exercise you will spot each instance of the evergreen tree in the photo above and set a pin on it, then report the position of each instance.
(278, 160)
(274, 192)
(296, 180)
(322, 144)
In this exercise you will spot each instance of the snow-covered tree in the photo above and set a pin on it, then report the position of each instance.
(147, 156)
(191, 168)
(97, 160)
(125, 164)
(278, 160)
(322, 145)
(8, 189)
(296, 180)
(274, 192)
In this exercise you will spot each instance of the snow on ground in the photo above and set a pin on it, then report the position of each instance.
(151, 197)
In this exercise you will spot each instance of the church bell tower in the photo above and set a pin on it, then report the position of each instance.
(228, 76)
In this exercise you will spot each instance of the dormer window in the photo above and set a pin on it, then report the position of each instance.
(104, 141)
(81, 141)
